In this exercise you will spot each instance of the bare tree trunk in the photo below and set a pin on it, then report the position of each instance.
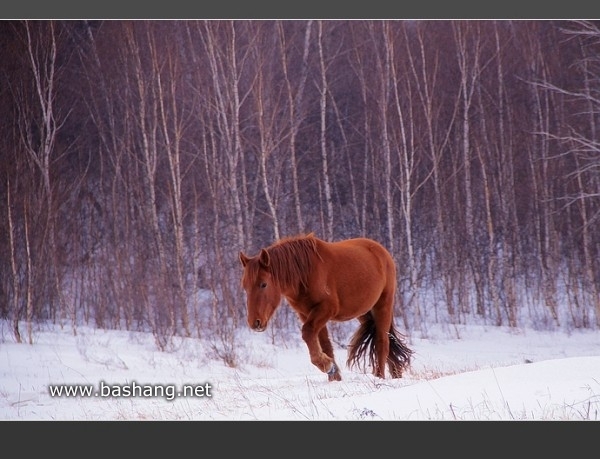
(491, 262)
(384, 97)
(294, 103)
(225, 78)
(324, 90)
(266, 124)
(510, 249)
(13, 264)
(29, 294)
(172, 125)
(362, 74)
(39, 142)
(147, 128)
(545, 225)
(407, 162)
(586, 241)
(469, 76)
(114, 246)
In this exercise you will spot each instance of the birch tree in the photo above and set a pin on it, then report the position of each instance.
(295, 103)
(40, 119)
(468, 42)
(323, 106)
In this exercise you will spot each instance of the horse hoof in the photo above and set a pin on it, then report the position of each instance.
(334, 374)
(334, 377)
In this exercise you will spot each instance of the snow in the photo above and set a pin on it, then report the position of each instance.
(469, 373)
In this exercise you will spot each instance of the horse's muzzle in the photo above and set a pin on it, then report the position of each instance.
(258, 326)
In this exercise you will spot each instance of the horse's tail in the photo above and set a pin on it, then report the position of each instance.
(362, 345)
(400, 354)
(362, 348)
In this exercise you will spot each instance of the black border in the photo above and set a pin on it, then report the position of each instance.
(360, 439)
(240, 9)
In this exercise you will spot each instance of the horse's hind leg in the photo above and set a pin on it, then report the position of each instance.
(382, 315)
(382, 349)
(334, 373)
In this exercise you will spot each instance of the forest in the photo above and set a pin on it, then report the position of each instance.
(138, 157)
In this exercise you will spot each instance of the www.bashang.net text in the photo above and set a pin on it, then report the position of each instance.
(133, 389)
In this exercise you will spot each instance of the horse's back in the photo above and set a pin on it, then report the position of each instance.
(362, 250)
(360, 267)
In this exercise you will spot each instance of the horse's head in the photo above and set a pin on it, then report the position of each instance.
(263, 293)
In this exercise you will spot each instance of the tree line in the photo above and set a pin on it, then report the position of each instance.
(139, 157)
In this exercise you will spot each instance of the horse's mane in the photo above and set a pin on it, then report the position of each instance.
(291, 258)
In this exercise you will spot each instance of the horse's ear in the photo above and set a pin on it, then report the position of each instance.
(264, 258)
(244, 259)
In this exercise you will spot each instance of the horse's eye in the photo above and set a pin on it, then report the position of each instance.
(263, 285)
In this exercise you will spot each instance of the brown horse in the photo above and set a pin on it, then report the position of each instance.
(325, 281)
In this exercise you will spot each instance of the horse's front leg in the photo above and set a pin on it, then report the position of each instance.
(334, 372)
(312, 331)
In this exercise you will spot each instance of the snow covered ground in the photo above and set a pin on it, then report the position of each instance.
(473, 373)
